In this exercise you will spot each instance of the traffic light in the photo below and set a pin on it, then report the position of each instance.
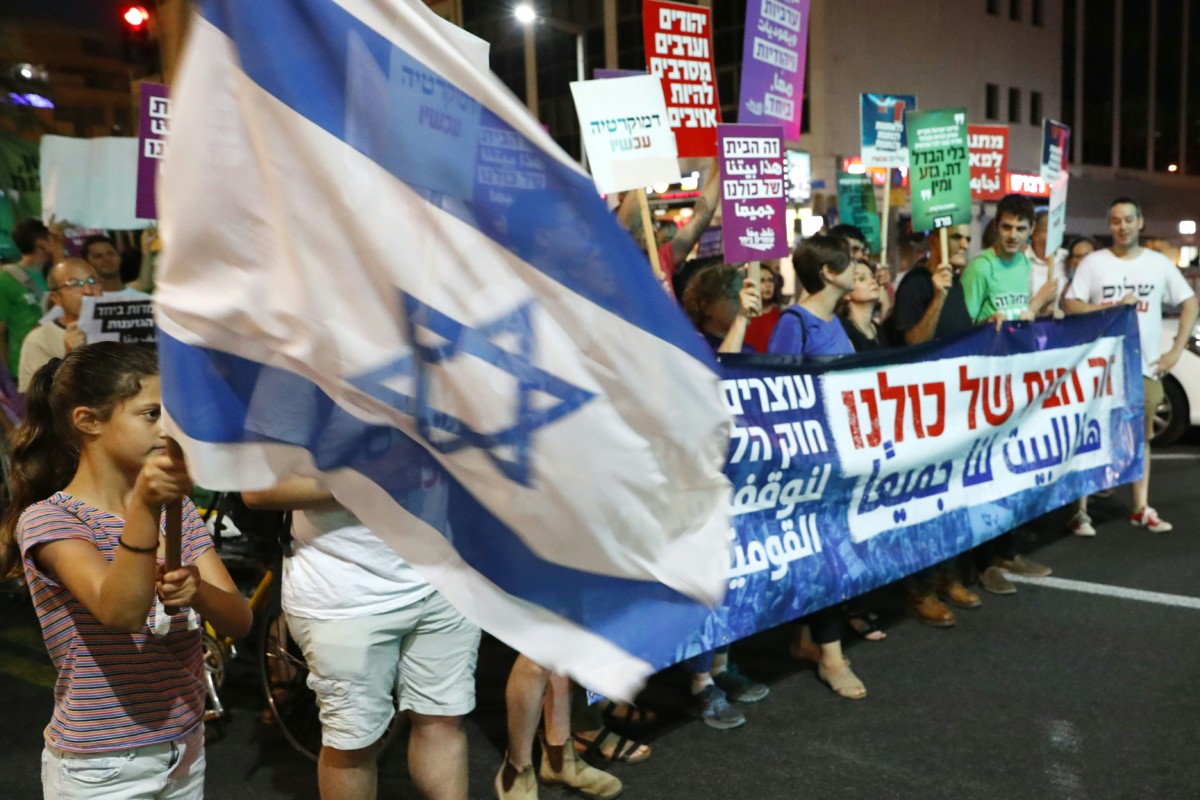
(137, 25)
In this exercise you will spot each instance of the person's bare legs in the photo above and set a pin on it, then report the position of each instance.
(524, 698)
(1141, 487)
(348, 774)
(437, 756)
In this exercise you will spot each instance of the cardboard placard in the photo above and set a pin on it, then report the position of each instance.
(679, 53)
(152, 139)
(988, 146)
(1056, 150)
(626, 132)
(856, 206)
(940, 177)
(884, 136)
(753, 205)
(773, 60)
(127, 321)
(1056, 226)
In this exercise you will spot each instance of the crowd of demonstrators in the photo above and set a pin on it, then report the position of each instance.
(41, 295)
(90, 472)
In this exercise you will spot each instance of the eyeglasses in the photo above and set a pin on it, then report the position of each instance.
(76, 284)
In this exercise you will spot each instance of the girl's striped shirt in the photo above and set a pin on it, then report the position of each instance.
(115, 690)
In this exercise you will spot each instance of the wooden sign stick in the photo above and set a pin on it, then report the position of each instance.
(883, 220)
(174, 525)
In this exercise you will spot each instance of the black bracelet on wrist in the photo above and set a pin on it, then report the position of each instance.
(121, 541)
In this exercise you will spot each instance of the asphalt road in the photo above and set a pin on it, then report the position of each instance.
(1052, 693)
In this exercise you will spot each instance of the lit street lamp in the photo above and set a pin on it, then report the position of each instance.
(527, 15)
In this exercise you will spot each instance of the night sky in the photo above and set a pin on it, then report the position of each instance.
(101, 16)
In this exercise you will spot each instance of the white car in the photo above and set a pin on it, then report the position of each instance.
(1180, 408)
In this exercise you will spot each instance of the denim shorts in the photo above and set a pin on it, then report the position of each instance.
(167, 771)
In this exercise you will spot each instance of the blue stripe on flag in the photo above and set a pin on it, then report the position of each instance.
(233, 400)
(343, 76)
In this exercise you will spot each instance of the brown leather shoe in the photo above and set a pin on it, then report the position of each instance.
(993, 580)
(957, 595)
(930, 610)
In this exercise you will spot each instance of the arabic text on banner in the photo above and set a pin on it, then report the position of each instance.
(850, 476)
(753, 207)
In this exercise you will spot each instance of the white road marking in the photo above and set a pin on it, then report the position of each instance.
(1159, 598)
(1174, 456)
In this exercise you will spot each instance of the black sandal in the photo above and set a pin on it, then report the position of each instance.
(626, 713)
(622, 752)
(865, 624)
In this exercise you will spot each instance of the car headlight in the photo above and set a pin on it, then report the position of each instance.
(1193, 342)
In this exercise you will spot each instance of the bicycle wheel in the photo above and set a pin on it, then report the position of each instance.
(285, 684)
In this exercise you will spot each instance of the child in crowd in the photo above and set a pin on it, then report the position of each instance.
(90, 474)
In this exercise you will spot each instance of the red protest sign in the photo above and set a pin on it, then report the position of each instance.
(988, 150)
(679, 51)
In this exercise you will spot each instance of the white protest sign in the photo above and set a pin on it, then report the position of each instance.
(626, 132)
(128, 321)
(1057, 222)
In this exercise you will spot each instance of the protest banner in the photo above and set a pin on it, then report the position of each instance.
(1056, 221)
(447, 436)
(753, 206)
(988, 148)
(626, 132)
(678, 41)
(155, 116)
(850, 475)
(773, 61)
(856, 205)
(127, 321)
(940, 176)
(1056, 150)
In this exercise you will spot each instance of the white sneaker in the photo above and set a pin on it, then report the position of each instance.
(1148, 518)
(1081, 524)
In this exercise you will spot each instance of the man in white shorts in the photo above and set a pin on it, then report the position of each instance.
(1129, 273)
(372, 630)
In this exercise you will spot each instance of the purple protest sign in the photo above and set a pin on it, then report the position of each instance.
(773, 59)
(752, 199)
(710, 245)
(152, 132)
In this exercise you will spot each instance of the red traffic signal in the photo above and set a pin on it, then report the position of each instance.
(135, 18)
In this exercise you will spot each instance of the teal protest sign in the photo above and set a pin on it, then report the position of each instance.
(856, 205)
(940, 177)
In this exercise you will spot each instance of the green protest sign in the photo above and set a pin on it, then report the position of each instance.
(940, 176)
(856, 205)
(20, 188)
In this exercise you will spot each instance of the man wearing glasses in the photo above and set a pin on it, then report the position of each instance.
(69, 282)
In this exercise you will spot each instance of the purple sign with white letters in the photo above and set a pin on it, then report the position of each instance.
(753, 204)
(772, 91)
(152, 134)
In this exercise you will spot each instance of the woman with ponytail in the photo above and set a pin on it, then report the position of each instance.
(90, 474)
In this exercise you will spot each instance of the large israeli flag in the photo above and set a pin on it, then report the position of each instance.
(380, 270)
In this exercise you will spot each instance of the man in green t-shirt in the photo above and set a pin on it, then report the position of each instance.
(22, 288)
(996, 289)
(996, 282)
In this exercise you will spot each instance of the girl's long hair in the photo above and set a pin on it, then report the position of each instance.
(45, 448)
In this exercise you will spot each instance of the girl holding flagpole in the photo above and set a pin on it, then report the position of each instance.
(90, 474)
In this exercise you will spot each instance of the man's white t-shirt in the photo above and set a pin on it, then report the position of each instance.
(1103, 279)
(338, 570)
